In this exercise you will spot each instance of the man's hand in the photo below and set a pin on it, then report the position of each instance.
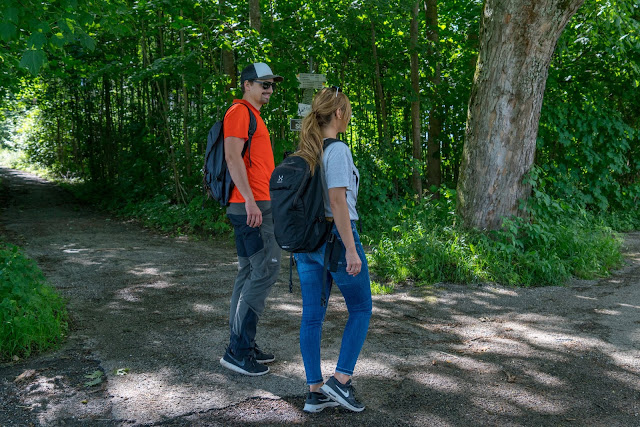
(254, 214)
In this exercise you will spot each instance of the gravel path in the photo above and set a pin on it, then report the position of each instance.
(149, 315)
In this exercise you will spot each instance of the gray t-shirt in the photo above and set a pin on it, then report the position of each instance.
(338, 170)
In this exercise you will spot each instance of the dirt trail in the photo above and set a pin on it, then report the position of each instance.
(150, 312)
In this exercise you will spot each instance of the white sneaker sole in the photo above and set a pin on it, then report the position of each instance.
(312, 409)
(240, 370)
(329, 392)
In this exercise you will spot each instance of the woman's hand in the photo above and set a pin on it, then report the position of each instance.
(354, 263)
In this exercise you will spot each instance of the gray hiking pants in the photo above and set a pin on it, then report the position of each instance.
(258, 269)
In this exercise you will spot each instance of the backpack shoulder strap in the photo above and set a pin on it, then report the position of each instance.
(327, 142)
(253, 125)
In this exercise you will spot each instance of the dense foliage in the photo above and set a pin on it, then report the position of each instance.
(33, 316)
(429, 246)
(126, 91)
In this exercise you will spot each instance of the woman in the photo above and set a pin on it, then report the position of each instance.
(329, 116)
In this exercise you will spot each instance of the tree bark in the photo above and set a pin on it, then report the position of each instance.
(255, 20)
(228, 61)
(434, 172)
(185, 109)
(416, 179)
(379, 92)
(109, 144)
(517, 40)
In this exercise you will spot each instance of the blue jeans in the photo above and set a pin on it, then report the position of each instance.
(357, 295)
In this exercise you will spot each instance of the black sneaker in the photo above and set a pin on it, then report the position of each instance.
(343, 394)
(262, 357)
(246, 366)
(316, 402)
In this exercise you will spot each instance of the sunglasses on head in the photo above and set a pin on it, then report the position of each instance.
(337, 89)
(266, 85)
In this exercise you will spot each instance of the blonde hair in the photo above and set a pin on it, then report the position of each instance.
(324, 105)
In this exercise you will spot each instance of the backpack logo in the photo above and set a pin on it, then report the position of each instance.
(280, 179)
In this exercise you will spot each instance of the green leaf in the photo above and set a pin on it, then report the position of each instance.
(33, 60)
(11, 14)
(7, 31)
(57, 40)
(88, 42)
(44, 27)
(37, 40)
(121, 371)
(96, 378)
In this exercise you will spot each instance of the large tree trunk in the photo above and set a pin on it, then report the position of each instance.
(517, 40)
(416, 137)
(434, 173)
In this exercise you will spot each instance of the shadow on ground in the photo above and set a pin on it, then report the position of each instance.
(149, 312)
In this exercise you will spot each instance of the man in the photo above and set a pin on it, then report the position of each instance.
(250, 214)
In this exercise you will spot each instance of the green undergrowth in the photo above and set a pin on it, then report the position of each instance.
(555, 243)
(199, 217)
(17, 159)
(427, 244)
(192, 218)
(33, 317)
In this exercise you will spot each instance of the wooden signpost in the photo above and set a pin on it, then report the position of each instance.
(309, 82)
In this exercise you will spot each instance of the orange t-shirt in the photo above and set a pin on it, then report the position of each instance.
(236, 124)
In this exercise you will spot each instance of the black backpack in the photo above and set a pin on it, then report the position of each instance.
(299, 221)
(297, 204)
(216, 177)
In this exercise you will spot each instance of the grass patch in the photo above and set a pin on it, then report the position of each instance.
(555, 244)
(381, 288)
(33, 317)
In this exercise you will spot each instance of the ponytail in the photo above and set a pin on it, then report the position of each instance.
(323, 107)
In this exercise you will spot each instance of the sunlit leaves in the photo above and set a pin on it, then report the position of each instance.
(130, 49)
(36, 29)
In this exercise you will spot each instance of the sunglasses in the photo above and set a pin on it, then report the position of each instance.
(266, 85)
(337, 89)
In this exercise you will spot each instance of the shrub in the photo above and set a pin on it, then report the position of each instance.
(33, 317)
(555, 243)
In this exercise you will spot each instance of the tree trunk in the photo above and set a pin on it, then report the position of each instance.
(109, 143)
(255, 20)
(386, 143)
(434, 172)
(416, 137)
(185, 110)
(228, 61)
(517, 40)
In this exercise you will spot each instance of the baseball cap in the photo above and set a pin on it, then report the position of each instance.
(259, 70)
